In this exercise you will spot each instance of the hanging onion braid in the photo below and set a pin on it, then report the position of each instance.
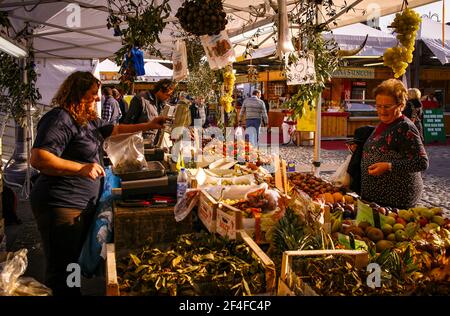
(72, 91)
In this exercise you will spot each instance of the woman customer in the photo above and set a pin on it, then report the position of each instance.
(66, 152)
(394, 155)
(413, 109)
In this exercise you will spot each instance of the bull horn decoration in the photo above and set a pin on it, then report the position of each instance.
(352, 52)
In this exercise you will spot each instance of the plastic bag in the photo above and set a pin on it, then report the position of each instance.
(93, 252)
(341, 178)
(126, 152)
(185, 205)
(11, 281)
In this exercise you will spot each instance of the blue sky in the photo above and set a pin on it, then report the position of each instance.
(435, 7)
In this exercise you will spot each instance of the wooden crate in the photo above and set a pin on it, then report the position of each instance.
(361, 260)
(207, 211)
(112, 284)
(138, 226)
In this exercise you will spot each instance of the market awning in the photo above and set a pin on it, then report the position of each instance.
(58, 34)
(348, 37)
(431, 34)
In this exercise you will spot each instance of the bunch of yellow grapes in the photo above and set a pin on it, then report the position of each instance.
(228, 86)
(405, 25)
(228, 80)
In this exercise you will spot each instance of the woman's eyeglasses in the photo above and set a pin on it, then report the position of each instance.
(385, 107)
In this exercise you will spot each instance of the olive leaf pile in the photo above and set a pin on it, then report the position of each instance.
(197, 264)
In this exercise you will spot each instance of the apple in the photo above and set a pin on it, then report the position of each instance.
(400, 220)
(423, 221)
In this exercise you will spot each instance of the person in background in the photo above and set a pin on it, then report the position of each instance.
(66, 152)
(122, 105)
(393, 156)
(147, 105)
(110, 110)
(356, 146)
(255, 114)
(198, 110)
(413, 109)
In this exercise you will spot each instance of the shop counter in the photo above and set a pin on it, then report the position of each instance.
(334, 124)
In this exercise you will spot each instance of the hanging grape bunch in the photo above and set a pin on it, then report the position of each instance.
(202, 17)
(405, 25)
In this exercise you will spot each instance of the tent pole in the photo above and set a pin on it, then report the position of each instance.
(28, 129)
(317, 136)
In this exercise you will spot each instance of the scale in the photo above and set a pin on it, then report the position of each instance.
(140, 189)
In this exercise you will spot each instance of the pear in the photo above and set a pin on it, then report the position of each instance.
(387, 229)
(438, 220)
(427, 213)
(390, 220)
(397, 227)
(437, 210)
(400, 235)
(411, 229)
(383, 245)
(375, 234)
(391, 237)
(406, 215)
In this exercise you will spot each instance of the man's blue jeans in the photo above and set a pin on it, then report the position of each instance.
(252, 130)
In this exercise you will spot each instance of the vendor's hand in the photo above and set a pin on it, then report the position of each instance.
(92, 170)
(157, 122)
(379, 168)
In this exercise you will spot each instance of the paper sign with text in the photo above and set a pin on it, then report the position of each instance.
(218, 49)
(302, 72)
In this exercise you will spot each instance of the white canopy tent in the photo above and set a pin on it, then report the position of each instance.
(348, 37)
(108, 66)
(154, 71)
(431, 34)
(59, 33)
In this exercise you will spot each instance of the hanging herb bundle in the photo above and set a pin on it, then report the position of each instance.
(144, 20)
(326, 54)
(14, 93)
(202, 80)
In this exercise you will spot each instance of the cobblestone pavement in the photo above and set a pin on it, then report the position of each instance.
(436, 178)
(436, 193)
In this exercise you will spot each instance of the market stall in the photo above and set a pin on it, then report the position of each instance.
(231, 222)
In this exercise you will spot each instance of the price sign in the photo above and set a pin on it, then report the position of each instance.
(433, 125)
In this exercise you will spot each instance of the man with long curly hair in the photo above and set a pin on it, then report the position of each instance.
(66, 152)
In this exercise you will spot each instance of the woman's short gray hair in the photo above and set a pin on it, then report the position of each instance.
(414, 93)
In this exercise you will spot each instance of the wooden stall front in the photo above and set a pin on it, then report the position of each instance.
(358, 121)
(334, 124)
